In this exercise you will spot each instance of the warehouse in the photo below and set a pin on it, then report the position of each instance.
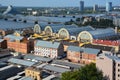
(7, 27)
(88, 36)
(38, 28)
(52, 29)
(72, 33)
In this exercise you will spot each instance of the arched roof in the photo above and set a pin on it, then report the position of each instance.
(37, 28)
(84, 35)
(97, 34)
(76, 30)
(100, 33)
(42, 26)
(54, 27)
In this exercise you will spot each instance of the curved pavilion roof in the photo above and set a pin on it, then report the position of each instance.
(76, 30)
(102, 33)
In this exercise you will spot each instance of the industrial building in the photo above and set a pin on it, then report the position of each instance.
(72, 33)
(21, 62)
(9, 72)
(32, 57)
(89, 36)
(81, 34)
(64, 64)
(53, 29)
(9, 26)
(19, 43)
(39, 28)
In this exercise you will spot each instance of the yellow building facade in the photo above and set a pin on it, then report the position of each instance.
(33, 73)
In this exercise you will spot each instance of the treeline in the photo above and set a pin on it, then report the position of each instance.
(102, 23)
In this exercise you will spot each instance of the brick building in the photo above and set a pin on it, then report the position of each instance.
(19, 44)
(48, 49)
(82, 55)
(68, 42)
(3, 43)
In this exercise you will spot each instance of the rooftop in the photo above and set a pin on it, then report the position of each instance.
(21, 62)
(56, 27)
(76, 31)
(104, 48)
(69, 64)
(12, 25)
(1, 40)
(47, 44)
(85, 50)
(91, 51)
(26, 78)
(47, 19)
(99, 33)
(55, 69)
(13, 37)
(9, 72)
(74, 48)
(38, 58)
(113, 57)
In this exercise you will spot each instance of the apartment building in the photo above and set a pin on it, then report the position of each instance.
(48, 49)
(110, 66)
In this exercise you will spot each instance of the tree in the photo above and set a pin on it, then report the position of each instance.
(88, 72)
(71, 75)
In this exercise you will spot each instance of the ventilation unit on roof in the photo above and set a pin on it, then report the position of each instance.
(15, 20)
(25, 21)
(6, 19)
(36, 22)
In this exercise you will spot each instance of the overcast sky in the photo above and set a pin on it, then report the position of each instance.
(55, 3)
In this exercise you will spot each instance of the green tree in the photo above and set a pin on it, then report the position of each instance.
(88, 72)
(71, 75)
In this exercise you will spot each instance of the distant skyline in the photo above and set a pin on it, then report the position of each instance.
(56, 3)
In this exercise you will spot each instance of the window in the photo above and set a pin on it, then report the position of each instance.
(118, 70)
(118, 75)
(118, 64)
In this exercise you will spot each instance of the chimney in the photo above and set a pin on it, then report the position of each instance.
(116, 29)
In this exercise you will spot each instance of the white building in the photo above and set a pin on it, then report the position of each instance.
(116, 21)
(48, 49)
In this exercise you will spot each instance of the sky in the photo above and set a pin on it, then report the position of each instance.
(56, 3)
